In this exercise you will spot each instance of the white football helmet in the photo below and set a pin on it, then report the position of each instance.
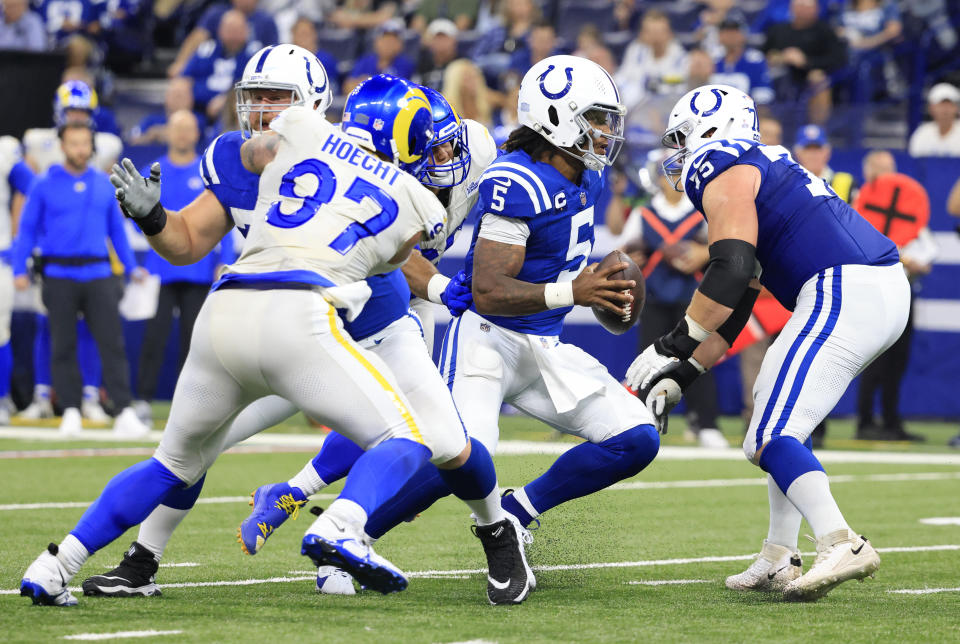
(706, 114)
(281, 67)
(564, 99)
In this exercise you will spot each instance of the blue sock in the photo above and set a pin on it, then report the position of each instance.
(586, 468)
(380, 472)
(87, 356)
(475, 479)
(337, 455)
(128, 499)
(807, 443)
(41, 352)
(6, 365)
(184, 498)
(786, 459)
(423, 489)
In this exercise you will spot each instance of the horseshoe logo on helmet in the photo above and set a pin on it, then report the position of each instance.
(555, 95)
(318, 90)
(713, 110)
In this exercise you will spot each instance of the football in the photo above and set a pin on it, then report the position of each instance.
(613, 323)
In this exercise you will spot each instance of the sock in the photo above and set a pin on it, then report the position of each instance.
(349, 512)
(41, 392)
(72, 554)
(337, 455)
(380, 473)
(518, 504)
(91, 393)
(156, 529)
(128, 499)
(784, 517)
(41, 356)
(88, 358)
(589, 467)
(307, 480)
(475, 483)
(800, 476)
(423, 489)
(6, 366)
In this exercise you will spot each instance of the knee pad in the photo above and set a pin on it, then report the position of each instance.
(636, 448)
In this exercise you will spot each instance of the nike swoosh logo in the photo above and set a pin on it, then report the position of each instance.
(499, 585)
(503, 182)
(857, 551)
(771, 575)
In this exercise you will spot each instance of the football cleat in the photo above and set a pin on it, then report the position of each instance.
(526, 538)
(841, 556)
(45, 581)
(92, 411)
(331, 542)
(134, 577)
(507, 577)
(773, 569)
(71, 423)
(39, 408)
(272, 505)
(334, 581)
(128, 426)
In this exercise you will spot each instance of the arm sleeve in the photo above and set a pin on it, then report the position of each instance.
(118, 237)
(21, 177)
(504, 230)
(27, 233)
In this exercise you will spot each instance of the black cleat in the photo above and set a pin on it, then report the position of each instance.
(134, 577)
(507, 579)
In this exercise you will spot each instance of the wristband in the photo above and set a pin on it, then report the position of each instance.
(436, 286)
(154, 222)
(683, 340)
(558, 294)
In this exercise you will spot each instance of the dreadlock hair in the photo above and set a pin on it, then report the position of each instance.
(534, 144)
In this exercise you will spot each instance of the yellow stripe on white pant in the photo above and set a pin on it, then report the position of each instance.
(383, 382)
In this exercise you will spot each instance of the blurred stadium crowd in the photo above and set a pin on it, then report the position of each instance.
(826, 74)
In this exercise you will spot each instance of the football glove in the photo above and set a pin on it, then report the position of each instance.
(457, 296)
(664, 388)
(138, 196)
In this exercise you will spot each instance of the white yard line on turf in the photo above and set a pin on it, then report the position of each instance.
(305, 575)
(118, 635)
(924, 591)
(509, 447)
(941, 521)
(630, 485)
(667, 582)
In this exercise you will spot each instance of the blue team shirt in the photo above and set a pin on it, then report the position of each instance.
(214, 71)
(559, 215)
(21, 177)
(236, 188)
(803, 226)
(68, 215)
(748, 74)
(263, 29)
(181, 185)
(56, 13)
(367, 66)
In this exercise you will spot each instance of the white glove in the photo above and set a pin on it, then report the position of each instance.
(137, 196)
(645, 366)
(660, 400)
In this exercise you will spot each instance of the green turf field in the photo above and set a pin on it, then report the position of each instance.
(637, 563)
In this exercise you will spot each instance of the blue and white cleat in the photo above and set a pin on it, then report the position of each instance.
(333, 581)
(272, 505)
(330, 542)
(45, 581)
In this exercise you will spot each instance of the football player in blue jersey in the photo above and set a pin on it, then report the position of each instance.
(773, 223)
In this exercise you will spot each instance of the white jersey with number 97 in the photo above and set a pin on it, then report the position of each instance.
(329, 207)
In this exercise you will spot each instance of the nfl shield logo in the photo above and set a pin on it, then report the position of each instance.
(485, 327)
(583, 199)
(378, 124)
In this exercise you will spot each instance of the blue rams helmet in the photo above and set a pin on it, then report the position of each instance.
(73, 95)
(447, 128)
(391, 116)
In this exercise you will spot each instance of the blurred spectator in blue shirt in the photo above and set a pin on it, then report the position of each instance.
(68, 18)
(304, 34)
(21, 28)
(541, 43)
(262, 31)
(439, 50)
(153, 127)
(494, 50)
(123, 24)
(219, 63)
(183, 288)
(870, 27)
(740, 66)
(387, 56)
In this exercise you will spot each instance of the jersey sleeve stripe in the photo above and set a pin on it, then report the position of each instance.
(210, 169)
(527, 173)
(523, 183)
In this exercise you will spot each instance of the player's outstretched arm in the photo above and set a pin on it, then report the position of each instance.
(496, 291)
(258, 151)
(428, 283)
